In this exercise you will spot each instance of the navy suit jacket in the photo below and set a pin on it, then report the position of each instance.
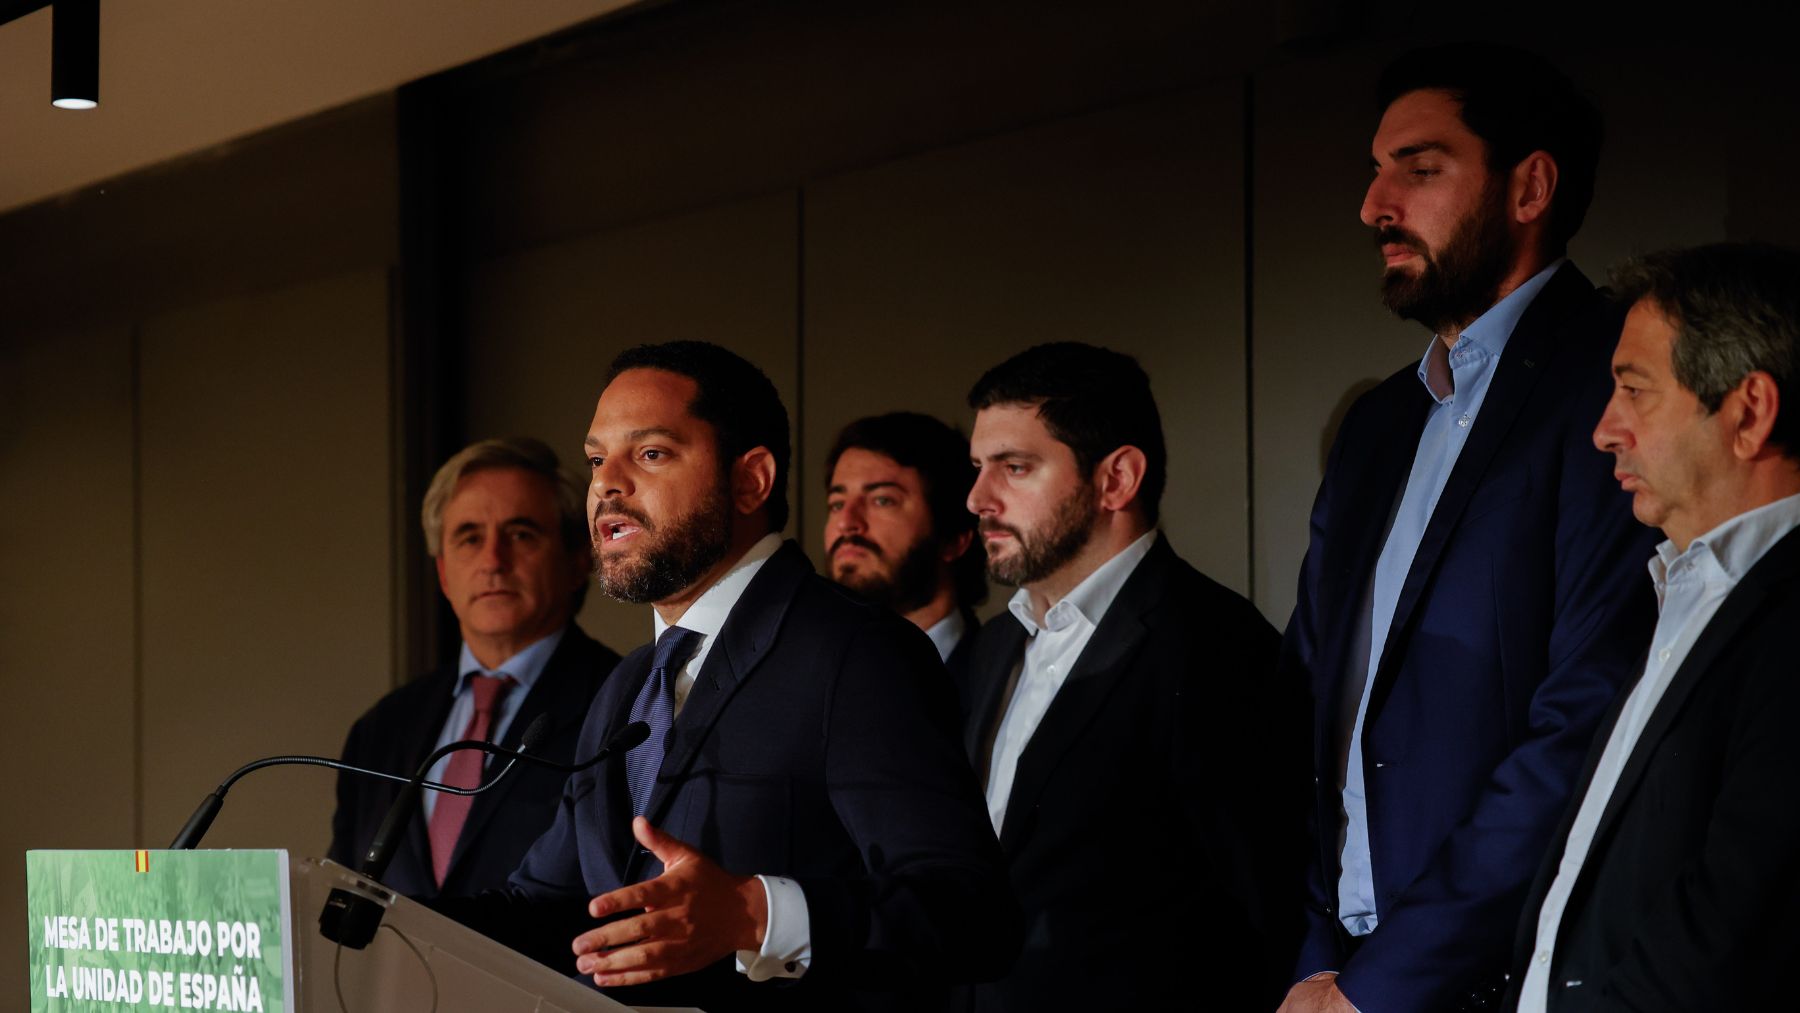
(402, 729)
(1153, 832)
(1523, 613)
(817, 743)
(1687, 898)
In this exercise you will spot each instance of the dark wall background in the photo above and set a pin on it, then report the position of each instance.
(224, 380)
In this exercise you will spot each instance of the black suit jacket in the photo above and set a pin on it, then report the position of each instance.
(402, 729)
(815, 744)
(1519, 619)
(1153, 832)
(963, 654)
(1689, 894)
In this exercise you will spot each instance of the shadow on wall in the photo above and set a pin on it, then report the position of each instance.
(1328, 435)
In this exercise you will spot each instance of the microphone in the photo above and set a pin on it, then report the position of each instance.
(202, 819)
(387, 837)
(351, 919)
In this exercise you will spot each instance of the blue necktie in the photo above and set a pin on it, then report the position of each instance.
(655, 706)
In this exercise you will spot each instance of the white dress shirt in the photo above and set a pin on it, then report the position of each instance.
(1050, 651)
(787, 938)
(1690, 586)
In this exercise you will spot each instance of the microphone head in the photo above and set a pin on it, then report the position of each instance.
(629, 737)
(535, 733)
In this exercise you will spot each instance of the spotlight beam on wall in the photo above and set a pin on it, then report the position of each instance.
(75, 54)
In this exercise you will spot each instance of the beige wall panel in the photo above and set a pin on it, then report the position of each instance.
(1122, 228)
(66, 626)
(266, 551)
(545, 323)
(1320, 332)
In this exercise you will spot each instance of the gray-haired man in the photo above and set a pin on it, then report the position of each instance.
(1671, 884)
(508, 531)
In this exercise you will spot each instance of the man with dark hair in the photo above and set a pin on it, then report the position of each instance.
(1670, 884)
(1126, 712)
(896, 529)
(1467, 607)
(504, 524)
(799, 806)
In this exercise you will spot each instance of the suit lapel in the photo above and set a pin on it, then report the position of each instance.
(748, 634)
(989, 670)
(609, 780)
(1778, 566)
(557, 692)
(421, 739)
(1093, 679)
(1380, 480)
(1525, 935)
(1527, 352)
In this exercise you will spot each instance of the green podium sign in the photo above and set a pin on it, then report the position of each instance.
(152, 930)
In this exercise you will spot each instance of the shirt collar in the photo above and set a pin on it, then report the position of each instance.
(1092, 597)
(946, 632)
(1487, 335)
(707, 615)
(524, 667)
(1734, 546)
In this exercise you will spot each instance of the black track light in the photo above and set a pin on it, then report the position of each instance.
(75, 54)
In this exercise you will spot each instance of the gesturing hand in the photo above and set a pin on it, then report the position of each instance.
(693, 914)
(1318, 994)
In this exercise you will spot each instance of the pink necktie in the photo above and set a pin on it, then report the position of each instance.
(450, 812)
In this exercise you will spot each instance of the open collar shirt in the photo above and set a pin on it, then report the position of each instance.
(1051, 650)
(1690, 587)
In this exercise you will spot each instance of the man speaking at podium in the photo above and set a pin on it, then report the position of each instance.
(800, 826)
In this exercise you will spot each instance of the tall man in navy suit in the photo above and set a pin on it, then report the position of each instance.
(896, 531)
(801, 825)
(1472, 596)
(505, 526)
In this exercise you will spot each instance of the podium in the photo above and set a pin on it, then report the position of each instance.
(416, 952)
(238, 930)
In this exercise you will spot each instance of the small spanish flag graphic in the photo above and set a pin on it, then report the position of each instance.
(143, 861)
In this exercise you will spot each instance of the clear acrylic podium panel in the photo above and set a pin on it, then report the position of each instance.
(417, 953)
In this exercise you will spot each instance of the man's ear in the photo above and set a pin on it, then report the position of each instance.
(953, 549)
(1756, 402)
(752, 480)
(581, 561)
(1532, 188)
(443, 585)
(1119, 477)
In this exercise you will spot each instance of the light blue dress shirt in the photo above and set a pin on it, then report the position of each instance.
(524, 667)
(1690, 587)
(1458, 382)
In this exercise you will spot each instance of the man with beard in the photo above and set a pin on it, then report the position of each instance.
(1470, 601)
(799, 810)
(1143, 774)
(895, 528)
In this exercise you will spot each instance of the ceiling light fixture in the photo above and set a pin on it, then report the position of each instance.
(75, 54)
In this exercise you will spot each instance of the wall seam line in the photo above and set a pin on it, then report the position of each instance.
(1250, 336)
(797, 459)
(138, 708)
